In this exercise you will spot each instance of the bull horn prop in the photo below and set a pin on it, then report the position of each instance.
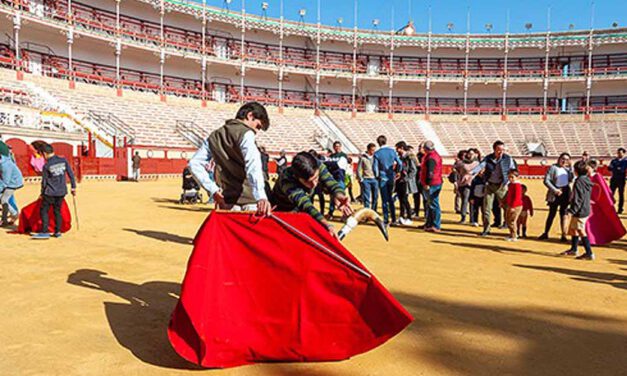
(363, 215)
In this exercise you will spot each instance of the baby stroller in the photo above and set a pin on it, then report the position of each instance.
(191, 190)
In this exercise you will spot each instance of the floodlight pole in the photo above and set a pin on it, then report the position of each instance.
(505, 72)
(317, 99)
(17, 25)
(203, 61)
(428, 79)
(353, 104)
(161, 51)
(466, 56)
(391, 70)
(281, 65)
(242, 53)
(589, 70)
(545, 84)
(118, 48)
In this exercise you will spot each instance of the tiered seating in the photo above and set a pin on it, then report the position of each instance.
(362, 131)
(154, 122)
(600, 137)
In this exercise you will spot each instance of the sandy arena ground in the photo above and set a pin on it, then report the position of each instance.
(97, 301)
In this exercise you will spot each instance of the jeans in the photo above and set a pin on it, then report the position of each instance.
(403, 199)
(492, 191)
(55, 201)
(434, 214)
(618, 185)
(136, 173)
(332, 202)
(464, 192)
(5, 199)
(475, 208)
(387, 187)
(369, 193)
(560, 202)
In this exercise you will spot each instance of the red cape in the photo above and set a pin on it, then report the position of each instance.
(604, 226)
(30, 220)
(256, 290)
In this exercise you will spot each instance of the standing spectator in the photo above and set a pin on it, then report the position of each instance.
(418, 196)
(406, 182)
(4, 148)
(497, 165)
(265, 161)
(53, 190)
(527, 211)
(513, 203)
(281, 163)
(431, 180)
(367, 180)
(580, 211)
(477, 193)
(585, 156)
(557, 180)
(137, 160)
(454, 177)
(385, 165)
(464, 178)
(618, 168)
(341, 159)
(10, 180)
(348, 179)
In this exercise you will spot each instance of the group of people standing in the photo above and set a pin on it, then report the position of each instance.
(396, 174)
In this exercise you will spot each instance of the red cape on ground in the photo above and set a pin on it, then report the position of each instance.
(30, 220)
(256, 290)
(604, 226)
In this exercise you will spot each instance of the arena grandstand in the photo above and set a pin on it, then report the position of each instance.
(108, 78)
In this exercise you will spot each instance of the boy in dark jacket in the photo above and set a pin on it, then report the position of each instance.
(580, 211)
(53, 190)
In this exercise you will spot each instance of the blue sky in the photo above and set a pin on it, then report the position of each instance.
(563, 13)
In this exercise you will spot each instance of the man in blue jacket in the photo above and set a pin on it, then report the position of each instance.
(10, 181)
(386, 164)
(496, 167)
(53, 190)
(618, 168)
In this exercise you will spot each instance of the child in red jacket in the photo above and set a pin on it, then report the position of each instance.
(513, 204)
(527, 211)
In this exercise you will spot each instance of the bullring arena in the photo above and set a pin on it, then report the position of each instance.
(102, 81)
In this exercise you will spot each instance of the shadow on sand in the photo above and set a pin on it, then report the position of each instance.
(140, 325)
(472, 339)
(611, 279)
(163, 236)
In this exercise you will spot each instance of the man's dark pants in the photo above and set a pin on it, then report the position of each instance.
(618, 184)
(46, 202)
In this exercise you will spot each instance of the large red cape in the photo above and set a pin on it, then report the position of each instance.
(30, 220)
(604, 226)
(257, 290)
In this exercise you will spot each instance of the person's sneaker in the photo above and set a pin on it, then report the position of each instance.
(406, 222)
(395, 224)
(503, 226)
(484, 233)
(422, 227)
(589, 257)
(569, 252)
(544, 236)
(433, 229)
(462, 221)
(40, 235)
(57, 235)
(475, 224)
